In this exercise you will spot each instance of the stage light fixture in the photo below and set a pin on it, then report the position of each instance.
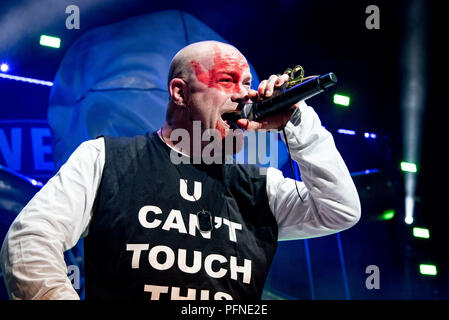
(421, 233)
(428, 269)
(346, 131)
(4, 67)
(341, 100)
(408, 167)
(50, 41)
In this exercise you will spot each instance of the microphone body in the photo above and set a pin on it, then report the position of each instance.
(287, 98)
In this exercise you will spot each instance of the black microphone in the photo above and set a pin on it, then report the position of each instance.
(287, 98)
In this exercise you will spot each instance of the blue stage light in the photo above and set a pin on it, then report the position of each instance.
(346, 131)
(368, 135)
(24, 79)
(367, 171)
(4, 67)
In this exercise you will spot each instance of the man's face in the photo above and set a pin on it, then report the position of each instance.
(219, 84)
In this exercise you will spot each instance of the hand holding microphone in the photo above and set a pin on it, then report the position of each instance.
(280, 106)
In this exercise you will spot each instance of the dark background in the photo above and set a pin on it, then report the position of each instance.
(322, 36)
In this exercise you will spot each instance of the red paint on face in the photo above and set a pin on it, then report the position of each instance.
(225, 74)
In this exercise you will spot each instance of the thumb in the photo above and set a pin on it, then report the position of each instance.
(244, 123)
(250, 125)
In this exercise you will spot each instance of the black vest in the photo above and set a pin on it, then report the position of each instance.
(144, 243)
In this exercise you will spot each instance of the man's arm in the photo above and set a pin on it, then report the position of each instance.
(32, 256)
(331, 202)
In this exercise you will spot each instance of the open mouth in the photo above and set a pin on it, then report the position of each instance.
(230, 119)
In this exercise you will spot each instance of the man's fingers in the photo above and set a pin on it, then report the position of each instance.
(281, 80)
(252, 94)
(250, 125)
(266, 87)
(270, 85)
(275, 121)
(261, 89)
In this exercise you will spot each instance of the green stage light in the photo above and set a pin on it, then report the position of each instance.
(341, 100)
(428, 269)
(408, 167)
(387, 215)
(50, 41)
(421, 233)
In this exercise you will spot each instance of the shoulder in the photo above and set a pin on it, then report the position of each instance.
(130, 144)
(122, 152)
(93, 144)
(87, 150)
(125, 141)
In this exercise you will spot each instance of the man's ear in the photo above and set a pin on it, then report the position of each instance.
(178, 91)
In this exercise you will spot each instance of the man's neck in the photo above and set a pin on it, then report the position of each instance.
(190, 144)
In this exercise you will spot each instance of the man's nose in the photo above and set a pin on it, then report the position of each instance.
(240, 94)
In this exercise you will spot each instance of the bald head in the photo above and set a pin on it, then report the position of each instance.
(206, 80)
(204, 53)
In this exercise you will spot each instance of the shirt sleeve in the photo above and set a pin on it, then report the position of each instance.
(32, 255)
(331, 202)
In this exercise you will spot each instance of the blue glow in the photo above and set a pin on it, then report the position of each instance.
(4, 67)
(309, 266)
(36, 183)
(343, 267)
(367, 171)
(23, 177)
(346, 131)
(24, 79)
(369, 135)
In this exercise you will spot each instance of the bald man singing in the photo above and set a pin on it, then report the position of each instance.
(154, 229)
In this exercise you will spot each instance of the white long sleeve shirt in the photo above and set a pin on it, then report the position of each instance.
(59, 214)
